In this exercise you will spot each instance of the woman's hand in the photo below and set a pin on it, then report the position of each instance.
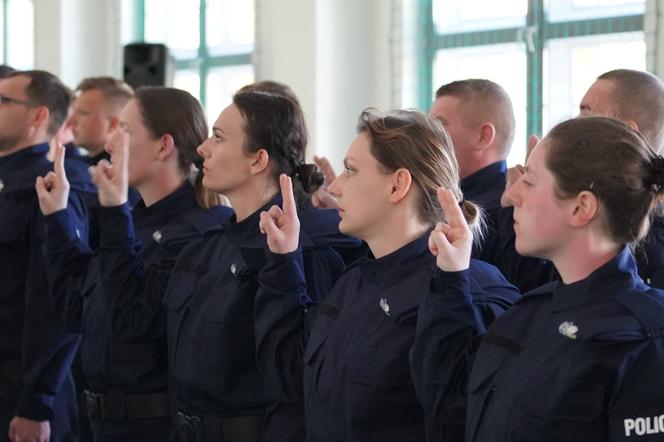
(112, 180)
(282, 226)
(53, 189)
(451, 241)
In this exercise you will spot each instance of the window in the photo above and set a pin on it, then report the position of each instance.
(544, 53)
(211, 41)
(17, 36)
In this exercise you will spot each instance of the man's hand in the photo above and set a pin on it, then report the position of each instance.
(26, 430)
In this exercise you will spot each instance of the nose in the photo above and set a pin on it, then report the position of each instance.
(512, 194)
(201, 150)
(334, 188)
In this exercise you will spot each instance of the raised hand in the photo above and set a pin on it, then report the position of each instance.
(53, 189)
(282, 226)
(322, 198)
(532, 142)
(112, 180)
(451, 241)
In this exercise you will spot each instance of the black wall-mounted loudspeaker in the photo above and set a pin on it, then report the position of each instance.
(148, 64)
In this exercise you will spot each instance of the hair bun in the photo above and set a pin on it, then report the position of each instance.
(309, 176)
(655, 178)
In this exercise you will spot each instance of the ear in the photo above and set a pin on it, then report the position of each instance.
(166, 146)
(584, 210)
(401, 183)
(487, 134)
(42, 115)
(113, 124)
(633, 124)
(259, 161)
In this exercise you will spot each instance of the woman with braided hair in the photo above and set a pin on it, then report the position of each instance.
(218, 387)
(580, 359)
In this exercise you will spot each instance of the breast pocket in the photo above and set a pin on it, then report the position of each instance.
(380, 397)
(564, 408)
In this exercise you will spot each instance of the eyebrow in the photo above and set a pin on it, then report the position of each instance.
(584, 106)
(529, 171)
(217, 129)
(347, 159)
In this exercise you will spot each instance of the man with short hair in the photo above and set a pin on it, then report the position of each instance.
(478, 116)
(36, 392)
(96, 113)
(634, 97)
(637, 99)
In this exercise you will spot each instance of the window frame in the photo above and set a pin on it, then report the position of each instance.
(535, 35)
(203, 62)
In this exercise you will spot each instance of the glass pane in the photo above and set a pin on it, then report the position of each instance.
(571, 65)
(128, 21)
(230, 26)
(20, 34)
(459, 16)
(222, 83)
(562, 10)
(504, 64)
(174, 23)
(188, 80)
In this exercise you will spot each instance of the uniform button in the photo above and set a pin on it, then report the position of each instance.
(2, 185)
(157, 235)
(233, 268)
(78, 233)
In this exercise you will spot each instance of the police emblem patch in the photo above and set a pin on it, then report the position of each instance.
(385, 306)
(568, 329)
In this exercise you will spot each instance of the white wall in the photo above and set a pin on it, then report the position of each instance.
(335, 54)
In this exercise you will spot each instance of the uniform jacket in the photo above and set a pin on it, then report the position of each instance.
(30, 330)
(357, 380)
(577, 362)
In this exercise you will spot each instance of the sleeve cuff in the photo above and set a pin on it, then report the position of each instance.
(284, 272)
(60, 228)
(115, 223)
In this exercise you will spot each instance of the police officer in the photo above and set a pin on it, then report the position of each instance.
(36, 392)
(580, 359)
(357, 381)
(219, 392)
(113, 296)
(637, 99)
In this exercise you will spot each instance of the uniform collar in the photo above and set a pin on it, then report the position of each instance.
(23, 158)
(103, 155)
(395, 263)
(72, 152)
(178, 202)
(616, 276)
(486, 185)
(249, 227)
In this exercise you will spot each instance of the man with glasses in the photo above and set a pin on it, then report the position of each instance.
(37, 398)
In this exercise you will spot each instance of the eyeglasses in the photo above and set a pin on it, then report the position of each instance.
(7, 100)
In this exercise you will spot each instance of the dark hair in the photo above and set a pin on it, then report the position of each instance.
(417, 142)
(166, 110)
(639, 96)
(45, 89)
(276, 123)
(484, 101)
(614, 162)
(5, 70)
(116, 92)
(273, 87)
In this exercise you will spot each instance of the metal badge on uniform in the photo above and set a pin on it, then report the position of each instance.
(568, 329)
(385, 306)
(2, 185)
(233, 268)
(157, 235)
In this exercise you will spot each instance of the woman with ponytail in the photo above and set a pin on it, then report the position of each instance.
(218, 389)
(112, 296)
(357, 381)
(580, 359)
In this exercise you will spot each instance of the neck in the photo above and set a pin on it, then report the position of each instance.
(251, 197)
(394, 233)
(476, 163)
(582, 256)
(20, 146)
(157, 189)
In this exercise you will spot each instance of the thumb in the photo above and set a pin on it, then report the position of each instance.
(268, 226)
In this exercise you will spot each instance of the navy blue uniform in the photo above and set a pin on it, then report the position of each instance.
(577, 362)
(649, 254)
(103, 295)
(217, 387)
(485, 187)
(35, 351)
(357, 380)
